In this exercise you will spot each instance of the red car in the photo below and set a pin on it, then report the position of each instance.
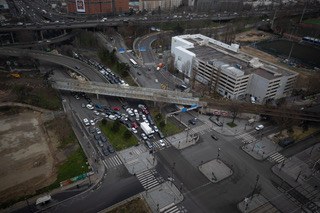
(116, 108)
(134, 125)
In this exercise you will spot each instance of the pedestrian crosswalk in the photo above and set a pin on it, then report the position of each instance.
(246, 138)
(276, 157)
(112, 162)
(149, 179)
(174, 209)
(158, 145)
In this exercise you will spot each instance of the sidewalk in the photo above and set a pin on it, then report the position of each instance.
(301, 169)
(83, 187)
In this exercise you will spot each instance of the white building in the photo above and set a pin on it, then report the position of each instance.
(228, 71)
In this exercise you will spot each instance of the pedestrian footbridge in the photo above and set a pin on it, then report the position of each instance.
(150, 94)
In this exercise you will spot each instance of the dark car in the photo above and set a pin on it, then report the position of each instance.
(103, 139)
(96, 136)
(92, 130)
(192, 121)
(105, 151)
(149, 144)
(214, 137)
(161, 135)
(110, 149)
(286, 142)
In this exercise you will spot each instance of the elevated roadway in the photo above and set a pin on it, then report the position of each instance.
(157, 95)
(83, 69)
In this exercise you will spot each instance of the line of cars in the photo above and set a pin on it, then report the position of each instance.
(131, 118)
(106, 72)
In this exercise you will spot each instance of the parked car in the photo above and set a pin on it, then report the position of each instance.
(259, 127)
(92, 122)
(96, 112)
(116, 108)
(134, 125)
(161, 135)
(144, 137)
(161, 142)
(86, 122)
(92, 129)
(286, 142)
(110, 149)
(155, 128)
(134, 130)
(214, 137)
(192, 121)
(89, 106)
(112, 117)
(103, 139)
(149, 144)
(105, 151)
(98, 130)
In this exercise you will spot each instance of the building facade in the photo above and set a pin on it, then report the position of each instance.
(223, 68)
(150, 5)
(98, 6)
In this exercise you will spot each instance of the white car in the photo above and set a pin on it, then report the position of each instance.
(259, 127)
(155, 128)
(89, 106)
(143, 117)
(161, 142)
(96, 112)
(144, 136)
(92, 122)
(129, 111)
(112, 117)
(134, 130)
(86, 122)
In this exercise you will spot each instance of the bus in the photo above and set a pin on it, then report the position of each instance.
(133, 62)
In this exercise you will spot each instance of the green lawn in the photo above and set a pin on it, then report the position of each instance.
(168, 129)
(75, 165)
(232, 124)
(118, 139)
(312, 21)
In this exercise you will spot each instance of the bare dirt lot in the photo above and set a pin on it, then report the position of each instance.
(253, 36)
(26, 159)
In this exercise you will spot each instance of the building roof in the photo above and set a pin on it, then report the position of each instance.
(215, 53)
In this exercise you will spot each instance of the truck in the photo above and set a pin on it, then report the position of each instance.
(146, 128)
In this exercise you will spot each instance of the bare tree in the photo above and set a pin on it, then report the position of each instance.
(185, 68)
(234, 110)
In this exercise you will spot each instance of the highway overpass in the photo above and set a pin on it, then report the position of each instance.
(118, 90)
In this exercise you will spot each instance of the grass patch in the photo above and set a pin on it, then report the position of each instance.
(134, 206)
(231, 124)
(41, 97)
(312, 21)
(118, 139)
(75, 165)
(167, 129)
(298, 134)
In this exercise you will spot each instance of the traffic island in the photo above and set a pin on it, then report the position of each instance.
(163, 197)
(215, 170)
